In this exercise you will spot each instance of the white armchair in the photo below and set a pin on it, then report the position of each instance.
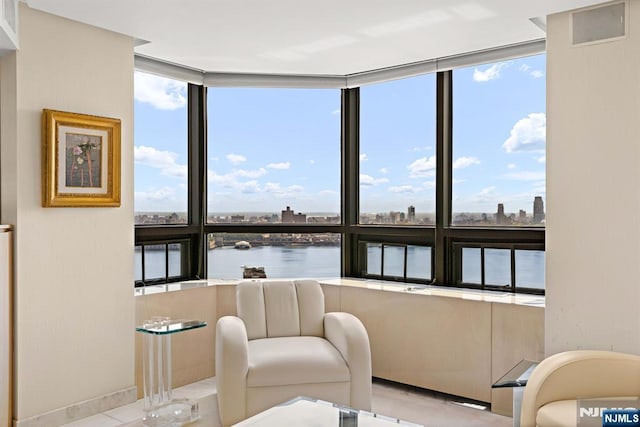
(282, 344)
(555, 385)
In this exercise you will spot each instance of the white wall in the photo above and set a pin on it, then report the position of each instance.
(73, 266)
(593, 190)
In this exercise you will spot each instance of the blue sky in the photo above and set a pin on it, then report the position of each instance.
(271, 148)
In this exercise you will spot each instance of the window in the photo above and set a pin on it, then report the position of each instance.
(397, 152)
(160, 262)
(394, 261)
(274, 180)
(273, 156)
(530, 269)
(160, 150)
(516, 267)
(499, 126)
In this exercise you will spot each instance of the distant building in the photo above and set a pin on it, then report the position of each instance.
(500, 217)
(289, 217)
(538, 210)
(237, 218)
(411, 214)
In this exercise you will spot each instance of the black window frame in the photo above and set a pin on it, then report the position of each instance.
(443, 238)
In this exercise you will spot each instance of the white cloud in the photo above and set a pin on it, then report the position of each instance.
(384, 170)
(312, 162)
(528, 134)
(328, 193)
(406, 189)
(512, 166)
(418, 149)
(368, 180)
(236, 158)
(160, 92)
(249, 173)
(486, 192)
(231, 180)
(167, 199)
(155, 195)
(526, 176)
(463, 162)
(279, 166)
(335, 112)
(536, 74)
(539, 188)
(363, 157)
(422, 167)
(542, 159)
(491, 73)
(283, 192)
(163, 160)
(249, 187)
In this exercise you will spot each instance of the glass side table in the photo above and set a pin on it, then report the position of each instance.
(517, 379)
(161, 409)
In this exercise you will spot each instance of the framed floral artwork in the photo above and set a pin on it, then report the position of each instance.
(80, 159)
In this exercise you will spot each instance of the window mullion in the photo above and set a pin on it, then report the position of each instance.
(350, 165)
(443, 174)
(482, 269)
(197, 129)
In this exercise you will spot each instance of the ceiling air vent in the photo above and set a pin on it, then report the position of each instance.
(600, 24)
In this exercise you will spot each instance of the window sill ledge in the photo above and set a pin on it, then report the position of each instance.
(378, 285)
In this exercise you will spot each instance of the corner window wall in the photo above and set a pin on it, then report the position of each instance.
(397, 152)
(499, 127)
(273, 156)
(160, 150)
(435, 179)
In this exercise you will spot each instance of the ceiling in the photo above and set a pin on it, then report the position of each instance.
(329, 37)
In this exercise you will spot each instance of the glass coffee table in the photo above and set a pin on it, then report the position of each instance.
(305, 411)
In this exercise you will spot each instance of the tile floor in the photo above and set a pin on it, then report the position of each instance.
(408, 403)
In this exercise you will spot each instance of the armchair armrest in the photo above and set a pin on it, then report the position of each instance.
(231, 369)
(347, 333)
(579, 374)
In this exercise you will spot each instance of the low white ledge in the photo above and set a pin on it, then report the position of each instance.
(380, 285)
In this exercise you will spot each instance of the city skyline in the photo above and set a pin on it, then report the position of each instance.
(288, 215)
(274, 147)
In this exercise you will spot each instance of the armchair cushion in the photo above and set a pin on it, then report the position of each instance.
(281, 308)
(294, 360)
(560, 414)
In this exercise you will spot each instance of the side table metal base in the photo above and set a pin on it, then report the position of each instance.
(517, 405)
(178, 412)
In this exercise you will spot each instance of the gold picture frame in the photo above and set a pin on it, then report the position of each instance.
(80, 160)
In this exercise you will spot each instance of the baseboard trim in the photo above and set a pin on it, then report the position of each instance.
(80, 410)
